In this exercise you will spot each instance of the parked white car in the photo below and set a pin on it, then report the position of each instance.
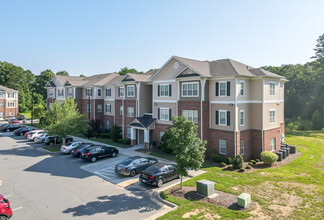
(40, 139)
(34, 134)
(71, 146)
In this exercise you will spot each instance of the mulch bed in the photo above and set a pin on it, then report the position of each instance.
(222, 199)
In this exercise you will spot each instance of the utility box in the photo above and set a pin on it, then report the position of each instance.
(292, 149)
(244, 200)
(205, 188)
(287, 151)
(283, 153)
(279, 156)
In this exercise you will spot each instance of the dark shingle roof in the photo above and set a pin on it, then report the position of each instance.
(143, 122)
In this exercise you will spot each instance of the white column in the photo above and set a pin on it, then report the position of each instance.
(138, 86)
(73, 92)
(203, 82)
(133, 135)
(146, 136)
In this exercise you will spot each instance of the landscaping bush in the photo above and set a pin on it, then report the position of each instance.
(241, 170)
(210, 152)
(97, 135)
(248, 167)
(317, 121)
(251, 164)
(253, 161)
(217, 158)
(164, 142)
(257, 160)
(124, 141)
(222, 164)
(238, 161)
(229, 160)
(269, 158)
(116, 133)
(105, 135)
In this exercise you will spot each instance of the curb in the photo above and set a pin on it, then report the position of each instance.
(41, 149)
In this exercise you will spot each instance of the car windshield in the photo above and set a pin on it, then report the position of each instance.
(126, 162)
(152, 169)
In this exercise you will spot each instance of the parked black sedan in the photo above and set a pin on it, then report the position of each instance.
(22, 131)
(10, 127)
(158, 174)
(98, 151)
(50, 140)
(76, 152)
(133, 165)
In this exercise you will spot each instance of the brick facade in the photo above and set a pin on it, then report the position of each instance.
(119, 118)
(268, 135)
(190, 105)
(214, 135)
(109, 118)
(256, 137)
(156, 132)
(282, 128)
(127, 120)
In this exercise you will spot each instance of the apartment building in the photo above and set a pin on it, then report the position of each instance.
(238, 109)
(8, 102)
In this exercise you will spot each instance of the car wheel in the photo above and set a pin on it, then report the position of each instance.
(160, 183)
(93, 159)
(3, 217)
(114, 154)
(70, 152)
(133, 173)
(21, 134)
(7, 130)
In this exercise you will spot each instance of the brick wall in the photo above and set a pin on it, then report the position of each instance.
(282, 128)
(214, 135)
(106, 118)
(256, 136)
(79, 106)
(48, 101)
(190, 105)
(128, 103)
(119, 118)
(156, 132)
(268, 135)
(245, 136)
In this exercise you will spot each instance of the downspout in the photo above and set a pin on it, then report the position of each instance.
(94, 103)
(235, 116)
(203, 83)
(262, 135)
(124, 110)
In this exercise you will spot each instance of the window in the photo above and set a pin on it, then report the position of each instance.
(272, 116)
(242, 88)
(129, 132)
(242, 147)
(10, 113)
(121, 91)
(88, 107)
(190, 89)
(1, 104)
(161, 134)
(273, 144)
(164, 90)
(121, 110)
(70, 92)
(50, 93)
(222, 117)
(272, 88)
(191, 115)
(11, 104)
(222, 147)
(108, 108)
(89, 92)
(11, 95)
(2, 95)
(108, 124)
(131, 91)
(99, 108)
(222, 88)
(130, 112)
(164, 114)
(99, 92)
(108, 92)
(60, 92)
(241, 117)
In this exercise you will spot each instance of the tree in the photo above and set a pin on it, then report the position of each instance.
(116, 132)
(65, 119)
(319, 49)
(189, 150)
(317, 123)
(39, 111)
(62, 73)
(41, 81)
(82, 75)
(125, 70)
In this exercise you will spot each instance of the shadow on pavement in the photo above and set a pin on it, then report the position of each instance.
(115, 204)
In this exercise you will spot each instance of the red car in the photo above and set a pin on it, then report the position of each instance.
(14, 121)
(5, 210)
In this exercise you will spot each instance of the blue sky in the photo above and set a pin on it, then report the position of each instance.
(90, 37)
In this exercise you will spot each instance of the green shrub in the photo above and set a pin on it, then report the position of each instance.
(241, 170)
(217, 158)
(257, 160)
(222, 164)
(253, 161)
(96, 135)
(229, 160)
(164, 142)
(210, 152)
(105, 135)
(116, 133)
(251, 164)
(268, 158)
(124, 141)
(248, 167)
(238, 161)
(317, 121)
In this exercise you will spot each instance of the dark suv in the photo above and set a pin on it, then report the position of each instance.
(98, 151)
(50, 140)
(11, 127)
(158, 173)
(21, 131)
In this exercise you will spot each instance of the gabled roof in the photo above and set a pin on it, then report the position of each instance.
(143, 122)
(223, 67)
(144, 77)
(6, 89)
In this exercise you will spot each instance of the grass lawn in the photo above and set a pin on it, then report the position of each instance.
(293, 191)
(106, 141)
(52, 148)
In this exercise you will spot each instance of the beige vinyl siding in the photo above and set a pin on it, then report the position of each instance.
(255, 115)
(247, 86)
(212, 90)
(255, 89)
(84, 92)
(281, 113)
(116, 91)
(112, 103)
(217, 107)
(174, 91)
(267, 96)
(168, 71)
(145, 99)
(267, 107)
(78, 93)
(113, 92)
(102, 92)
(282, 91)
(172, 106)
(247, 124)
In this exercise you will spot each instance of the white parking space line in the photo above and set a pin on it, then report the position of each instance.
(7, 196)
(17, 208)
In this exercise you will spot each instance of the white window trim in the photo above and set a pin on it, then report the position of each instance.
(99, 108)
(272, 82)
(219, 118)
(2, 94)
(129, 132)
(168, 110)
(129, 116)
(122, 88)
(88, 89)
(241, 147)
(219, 89)
(58, 92)
(109, 108)
(161, 90)
(243, 117)
(100, 92)
(121, 110)
(242, 81)
(106, 92)
(274, 147)
(219, 143)
(130, 86)
(270, 110)
(88, 107)
(192, 90)
(192, 118)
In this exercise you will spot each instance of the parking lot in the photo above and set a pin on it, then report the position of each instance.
(45, 186)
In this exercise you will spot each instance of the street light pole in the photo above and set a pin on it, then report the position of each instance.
(32, 113)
